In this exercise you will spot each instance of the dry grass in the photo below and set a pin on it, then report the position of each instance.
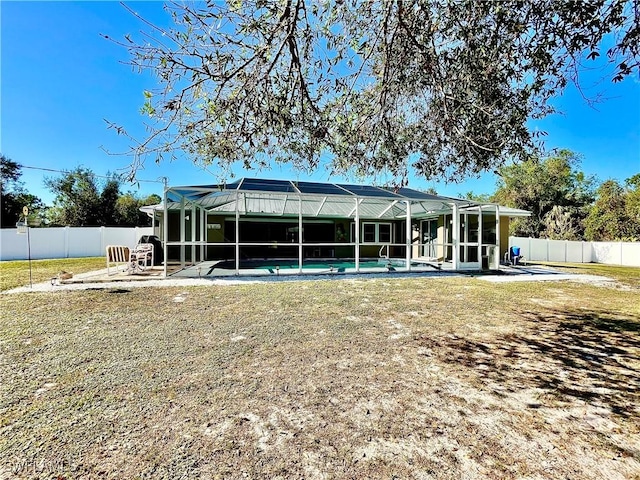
(626, 275)
(376, 378)
(16, 273)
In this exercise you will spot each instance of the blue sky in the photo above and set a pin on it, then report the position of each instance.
(59, 79)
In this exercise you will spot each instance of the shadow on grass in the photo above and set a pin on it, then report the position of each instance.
(586, 355)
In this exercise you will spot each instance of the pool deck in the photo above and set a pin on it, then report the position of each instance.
(154, 277)
(209, 269)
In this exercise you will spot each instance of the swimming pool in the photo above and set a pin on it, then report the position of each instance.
(312, 266)
(292, 264)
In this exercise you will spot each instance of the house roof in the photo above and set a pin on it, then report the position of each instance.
(514, 212)
(250, 185)
(287, 198)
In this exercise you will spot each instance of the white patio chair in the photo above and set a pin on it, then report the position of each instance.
(141, 257)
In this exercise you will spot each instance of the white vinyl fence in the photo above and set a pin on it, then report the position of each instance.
(67, 242)
(613, 253)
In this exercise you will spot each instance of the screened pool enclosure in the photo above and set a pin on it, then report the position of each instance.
(235, 226)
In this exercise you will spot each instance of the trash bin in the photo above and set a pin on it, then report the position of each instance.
(158, 252)
(514, 255)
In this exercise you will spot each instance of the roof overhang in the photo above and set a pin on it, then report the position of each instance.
(284, 198)
(514, 212)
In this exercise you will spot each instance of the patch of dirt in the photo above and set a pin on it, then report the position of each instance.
(572, 379)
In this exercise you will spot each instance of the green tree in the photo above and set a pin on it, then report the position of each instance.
(13, 196)
(633, 201)
(77, 199)
(128, 208)
(615, 215)
(553, 189)
(445, 88)
(562, 223)
(81, 200)
(108, 211)
(482, 197)
(9, 172)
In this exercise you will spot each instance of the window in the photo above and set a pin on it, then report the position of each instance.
(384, 232)
(373, 232)
(368, 232)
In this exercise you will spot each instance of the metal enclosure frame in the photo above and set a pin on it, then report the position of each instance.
(297, 201)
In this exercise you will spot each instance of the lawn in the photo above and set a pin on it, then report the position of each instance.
(627, 275)
(16, 273)
(441, 378)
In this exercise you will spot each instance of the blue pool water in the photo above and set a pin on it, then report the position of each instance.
(274, 265)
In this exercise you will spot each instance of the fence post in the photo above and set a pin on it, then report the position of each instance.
(621, 252)
(66, 242)
(102, 238)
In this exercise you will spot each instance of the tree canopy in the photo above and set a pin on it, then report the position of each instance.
(77, 199)
(82, 200)
(615, 215)
(13, 196)
(443, 89)
(553, 189)
(128, 209)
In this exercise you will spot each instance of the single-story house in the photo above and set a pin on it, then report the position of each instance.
(235, 225)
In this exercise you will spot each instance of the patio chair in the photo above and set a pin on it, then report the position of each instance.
(117, 256)
(513, 256)
(141, 257)
(158, 251)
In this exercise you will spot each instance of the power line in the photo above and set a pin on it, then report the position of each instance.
(99, 176)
